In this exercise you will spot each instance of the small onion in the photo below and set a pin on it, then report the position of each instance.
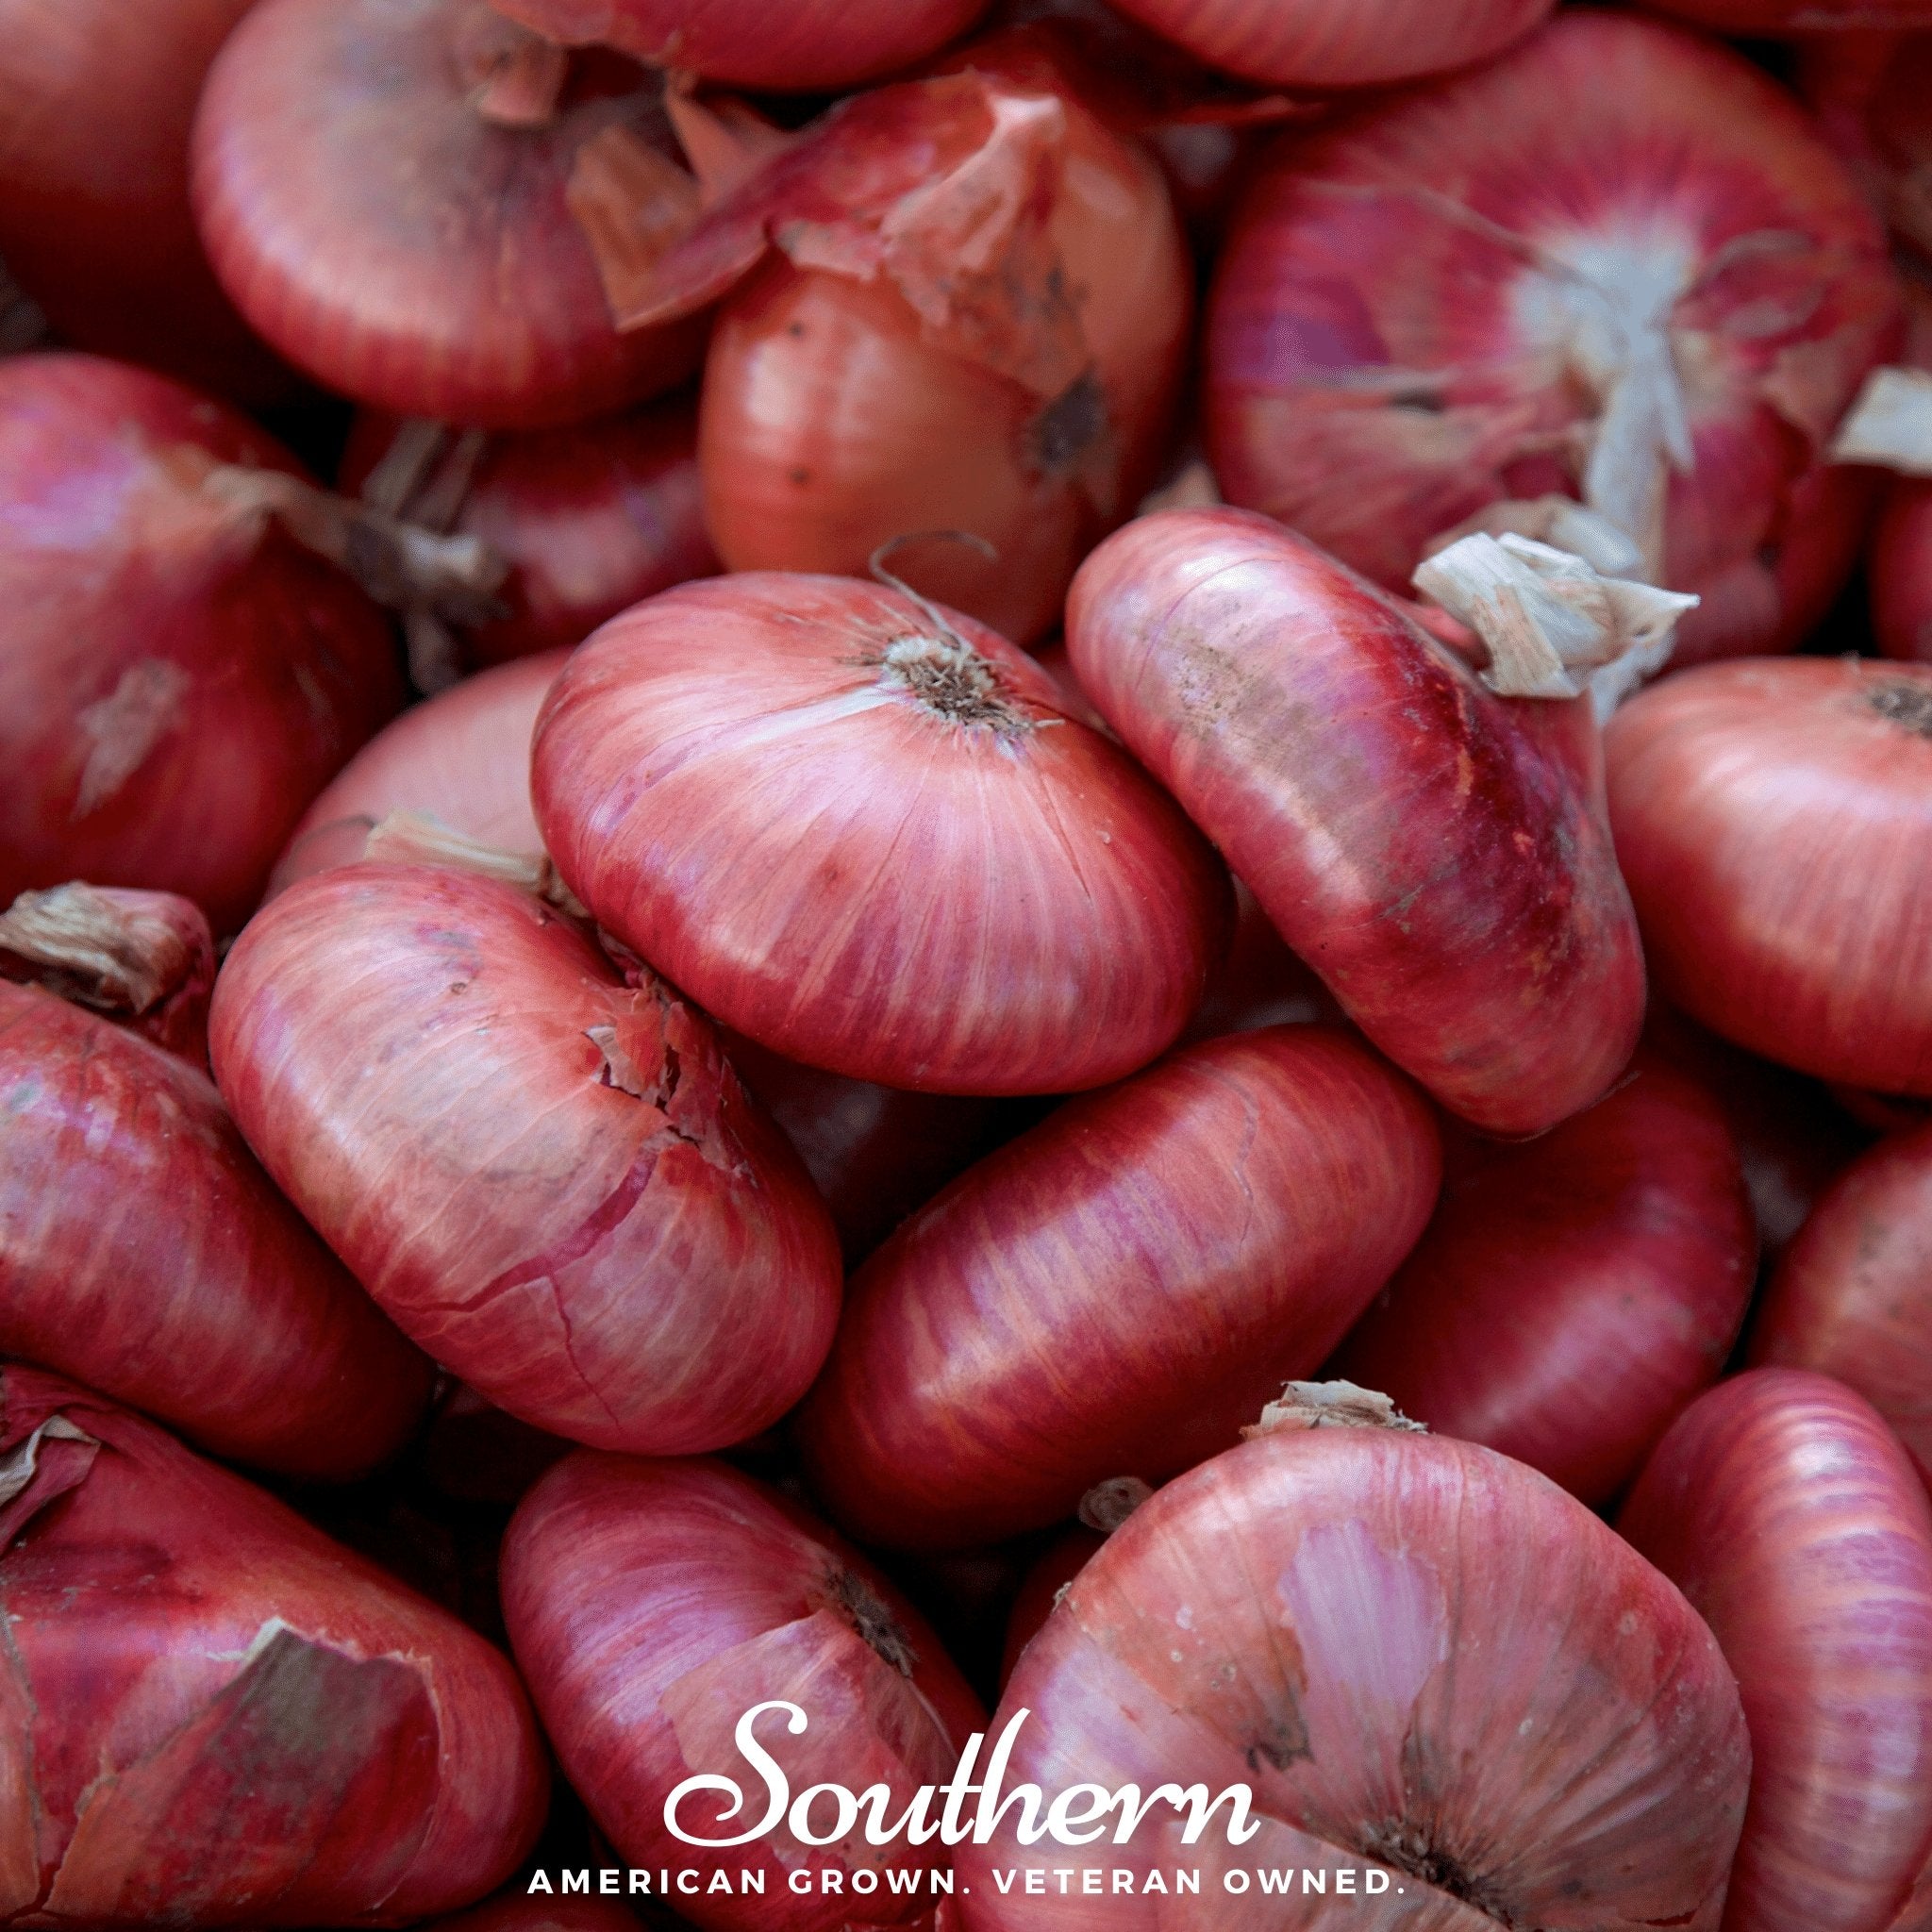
(861, 831)
(545, 1175)
(1117, 1292)
(1436, 853)
(1618, 264)
(179, 678)
(1773, 818)
(651, 1605)
(1420, 1657)
(1789, 1517)
(218, 1717)
(391, 191)
(1852, 1296)
(1572, 1293)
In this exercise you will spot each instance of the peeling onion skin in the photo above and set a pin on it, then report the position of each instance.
(143, 624)
(144, 1252)
(1791, 1519)
(1900, 571)
(1852, 1296)
(1118, 1290)
(263, 1728)
(993, 899)
(461, 758)
(96, 99)
(591, 520)
(1774, 824)
(408, 1049)
(1323, 44)
(1414, 1652)
(783, 45)
(1572, 1293)
(650, 1604)
(1385, 356)
(393, 243)
(1434, 853)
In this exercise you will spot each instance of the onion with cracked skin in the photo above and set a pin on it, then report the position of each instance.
(215, 1715)
(545, 1175)
(1789, 1516)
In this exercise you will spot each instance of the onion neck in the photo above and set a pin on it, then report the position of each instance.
(1306, 1406)
(1904, 702)
(1108, 1505)
(515, 77)
(849, 1597)
(410, 838)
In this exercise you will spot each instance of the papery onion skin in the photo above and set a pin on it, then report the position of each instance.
(462, 758)
(808, 46)
(220, 1717)
(1791, 1518)
(591, 520)
(1852, 1297)
(1118, 1291)
(1412, 321)
(1434, 853)
(963, 892)
(1900, 570)
(1024, 399)
(1417, 1655)
(410, 1051)
(650, 1604)
(1322, 44)
(1773, 818)
(144, 626)
(144, 1251)
(1572, 1293)
(96, 100)
(390, 241)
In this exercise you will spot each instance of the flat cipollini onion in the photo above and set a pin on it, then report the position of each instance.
(776, 44)
(544, 1174)
(1421, 1658)
(1619, 265)
(1852, 1297)
(1788, 1515)
(96, 100)
(1324, 43)
(957, 304)
(142, 1249)
(1437, 853)
(588, 520)
(1575, 1292)
(391, 193)
(1773, 819)
(1116, 1292)
(651, 1605)
(220, 1717)
(154, 613)
(861, 831)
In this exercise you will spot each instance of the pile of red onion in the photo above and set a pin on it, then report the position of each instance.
(966, 965)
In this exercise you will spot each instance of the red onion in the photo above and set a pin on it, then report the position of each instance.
(158, 610)
(860, 830)
(1774, 822)
(1900, 569)
(218, 1717)
(1424, 1660)
(1058, 1564)
(398, 195)
(96, 98)
(955, 304)
(1436, 853)
(1785, 1509)
(589, 519)
(545, 1175)
(1573, 1293)
(1852, 1296)
(142, 1249)
(807, 44)
(1116, 1292)
(1618, 264)
(652, 1604)
(462, 758)
(1339, 43)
